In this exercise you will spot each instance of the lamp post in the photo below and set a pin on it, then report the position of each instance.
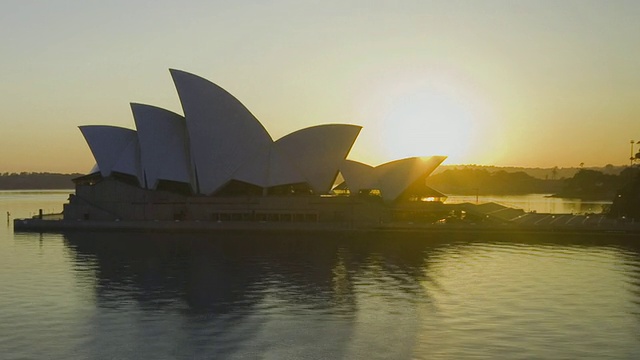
(631, 156)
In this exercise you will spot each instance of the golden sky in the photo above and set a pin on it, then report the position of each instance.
(527, 83)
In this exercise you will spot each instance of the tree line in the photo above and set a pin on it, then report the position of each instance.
(36, 181)
(585, 184)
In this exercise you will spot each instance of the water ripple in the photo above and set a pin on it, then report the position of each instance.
(423, 297)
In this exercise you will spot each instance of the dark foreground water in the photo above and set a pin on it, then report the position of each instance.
(297, 296)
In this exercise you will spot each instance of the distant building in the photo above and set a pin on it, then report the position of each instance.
(218, 163)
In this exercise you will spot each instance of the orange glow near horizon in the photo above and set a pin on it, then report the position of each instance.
(428, 123)
(531, 84)
(422, 113)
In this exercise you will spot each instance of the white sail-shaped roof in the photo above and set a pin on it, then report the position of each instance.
(394, 177)
(223, 134)
(218, 140)
(391, 178)
(358, 175)
(269, 168)
(94, 169)
(129, 160)
(312, 155)
(319, 151)
(164, 150)
(114, 149)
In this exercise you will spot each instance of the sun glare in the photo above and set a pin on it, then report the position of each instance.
(428, 123)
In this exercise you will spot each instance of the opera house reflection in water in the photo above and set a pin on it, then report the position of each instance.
(214, 273)
(396, 295)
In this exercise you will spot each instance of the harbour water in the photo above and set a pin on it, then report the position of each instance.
(540, 203)
(312, 296)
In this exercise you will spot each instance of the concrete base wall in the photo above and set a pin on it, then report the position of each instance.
(110, 199)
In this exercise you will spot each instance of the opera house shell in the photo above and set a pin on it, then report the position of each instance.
(218, 162)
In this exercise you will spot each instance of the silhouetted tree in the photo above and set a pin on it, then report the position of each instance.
(626, 203)
(590, 184)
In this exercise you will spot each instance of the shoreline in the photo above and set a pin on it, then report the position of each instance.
(44, 226)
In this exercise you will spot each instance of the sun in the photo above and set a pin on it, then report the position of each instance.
(428, 123)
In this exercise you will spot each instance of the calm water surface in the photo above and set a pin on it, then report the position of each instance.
(541, 203)
(296, 296)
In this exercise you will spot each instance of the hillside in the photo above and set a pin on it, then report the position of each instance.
(471, 181)
(33, 181)
(554, 173)
(585, 184)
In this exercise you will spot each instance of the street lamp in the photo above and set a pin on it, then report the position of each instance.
(631, 156)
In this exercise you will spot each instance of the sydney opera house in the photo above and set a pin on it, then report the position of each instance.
(217, 163)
